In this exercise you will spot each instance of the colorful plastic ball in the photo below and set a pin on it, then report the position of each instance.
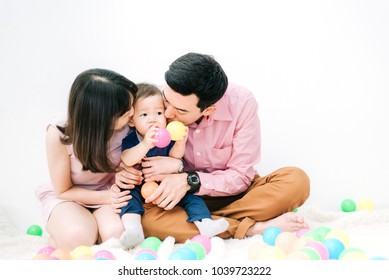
(40, 256)
(348, 205)
(104, 255)
(340, 235)
(271, 253)
(285, 241)
(183, 253)
(198, 248)
(203, 240)
(301, 232)
(255, 249)
(320, 248)
(270, 234)
(34, 230)
(311, 253)
(81, 252)
(146, 257)
(334, 246)
(378, 258)
(314, 235)
(365, 204)
(152, 243)
(148, 251)
(323, 231)
(300, 243)
(163, 138)
(61, 254)
(176, 129)
(353, 254)
(46, 250)
(148, 188)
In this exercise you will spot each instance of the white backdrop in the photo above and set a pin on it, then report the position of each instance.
(319, 70)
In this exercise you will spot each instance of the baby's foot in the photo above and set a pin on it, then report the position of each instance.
(210, 228)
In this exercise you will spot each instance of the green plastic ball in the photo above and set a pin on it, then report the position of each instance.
(197, 248)
(152, 243)
(348, 205)
(34, 230)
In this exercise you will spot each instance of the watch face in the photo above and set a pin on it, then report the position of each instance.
(194, 179)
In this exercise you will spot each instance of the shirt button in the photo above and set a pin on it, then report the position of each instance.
(197, 131)
(198, 154)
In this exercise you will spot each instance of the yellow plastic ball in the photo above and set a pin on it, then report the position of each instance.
(61, 254)
(255, 249)
(285, 241)
(365, 204)
(340, 235)
(176, 129)
(353, 254)
(81, 252)
(271, 253)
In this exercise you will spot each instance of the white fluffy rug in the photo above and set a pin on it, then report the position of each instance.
(367, 231)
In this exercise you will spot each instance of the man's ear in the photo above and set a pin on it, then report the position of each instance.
(209, 110)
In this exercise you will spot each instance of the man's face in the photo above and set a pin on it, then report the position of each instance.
(181, 108)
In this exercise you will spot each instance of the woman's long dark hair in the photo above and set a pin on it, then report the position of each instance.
(98, 97)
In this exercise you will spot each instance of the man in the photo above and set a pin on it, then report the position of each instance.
(222, 149)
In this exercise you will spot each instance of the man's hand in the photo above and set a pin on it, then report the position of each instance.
(171, 190)
(159, 165)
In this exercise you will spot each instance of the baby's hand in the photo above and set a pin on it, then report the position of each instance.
(184, 136)
(149, 140)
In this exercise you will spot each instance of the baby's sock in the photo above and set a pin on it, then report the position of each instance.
(210, 228)
(133, 234)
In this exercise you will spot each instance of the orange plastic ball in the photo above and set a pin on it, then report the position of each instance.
(148, 188)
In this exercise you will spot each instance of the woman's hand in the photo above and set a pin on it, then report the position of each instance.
(118, 198)
(158, 165)
(128, 177)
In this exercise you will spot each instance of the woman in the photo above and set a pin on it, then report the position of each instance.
(83, 156)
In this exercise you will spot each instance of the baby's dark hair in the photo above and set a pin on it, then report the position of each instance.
(146, 90)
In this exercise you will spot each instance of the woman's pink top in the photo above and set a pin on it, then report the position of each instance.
(82, 178)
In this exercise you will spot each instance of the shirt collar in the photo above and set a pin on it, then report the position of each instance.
(222, 113)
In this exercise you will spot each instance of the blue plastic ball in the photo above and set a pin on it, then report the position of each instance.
(146, 256)
(334, 246)
(183, 253)
(270, 234)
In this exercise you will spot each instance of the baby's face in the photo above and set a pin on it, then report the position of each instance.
(149, 111)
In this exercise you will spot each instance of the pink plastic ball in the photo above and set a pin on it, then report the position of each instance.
(46, 250)
(104, 254)
(204, 241)
(301, 232)
(163, 137)
(147, 251)
(320, 248)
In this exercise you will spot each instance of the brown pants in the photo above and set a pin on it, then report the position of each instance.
(268, 197)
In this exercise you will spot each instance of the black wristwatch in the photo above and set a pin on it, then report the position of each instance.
(193, 180)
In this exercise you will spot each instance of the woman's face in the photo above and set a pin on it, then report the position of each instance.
(123, 120)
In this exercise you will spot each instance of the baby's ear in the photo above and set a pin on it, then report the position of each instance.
(131, 123)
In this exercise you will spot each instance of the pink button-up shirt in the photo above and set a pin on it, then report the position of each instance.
(224, 147)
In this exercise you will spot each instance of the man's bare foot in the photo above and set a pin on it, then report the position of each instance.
(289, 221)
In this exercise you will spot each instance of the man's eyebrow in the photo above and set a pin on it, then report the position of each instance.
(178, 109)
